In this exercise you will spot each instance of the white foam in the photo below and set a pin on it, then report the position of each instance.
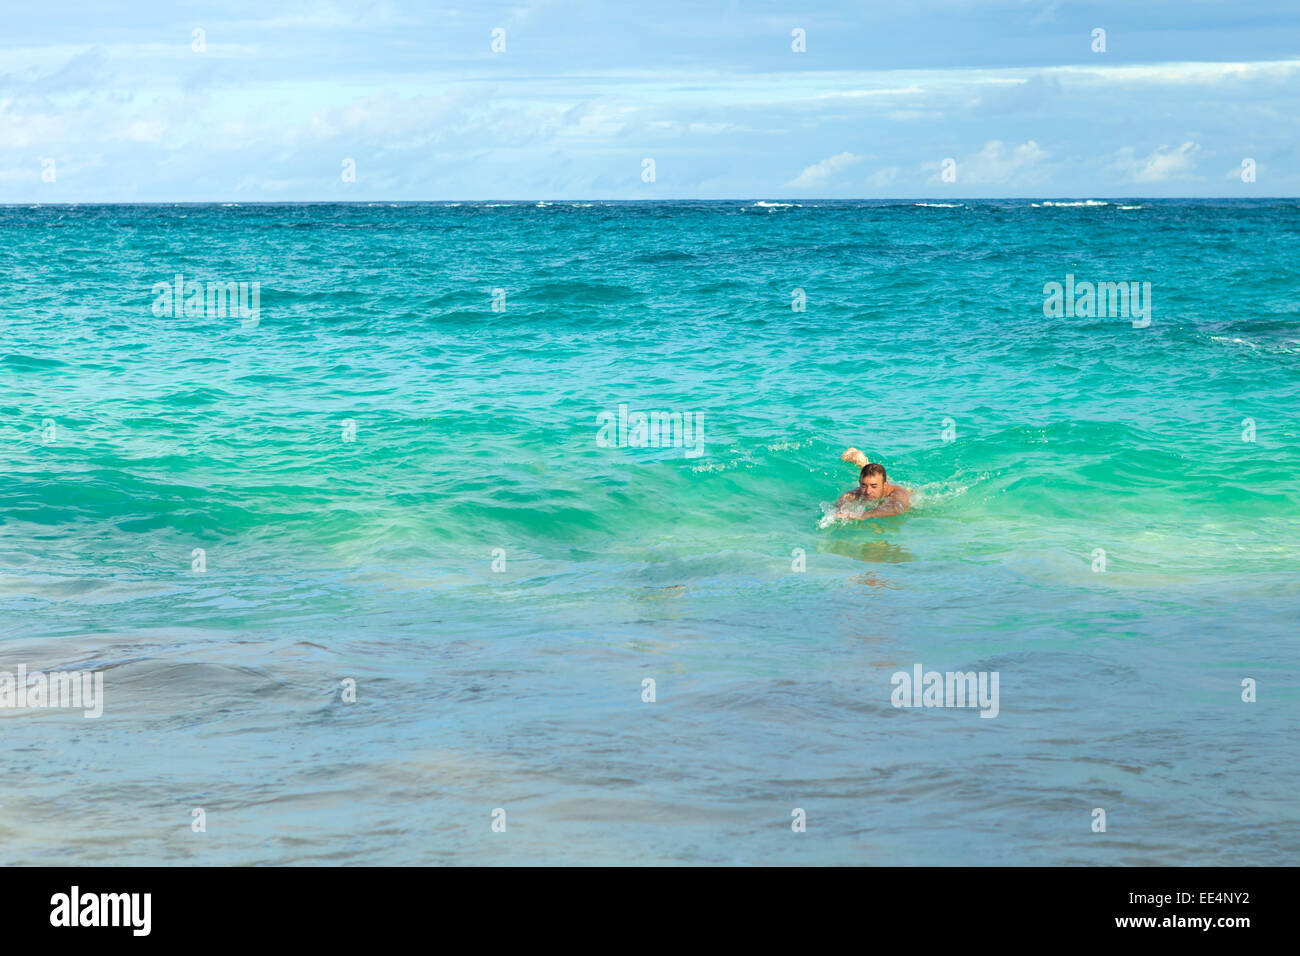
(788, 445)
(1288, 347)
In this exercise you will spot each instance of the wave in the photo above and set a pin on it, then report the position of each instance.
(1287, 347)
(667, 255)
(19, 361)
(575, 292)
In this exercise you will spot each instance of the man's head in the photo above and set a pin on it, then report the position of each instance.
(871, 480)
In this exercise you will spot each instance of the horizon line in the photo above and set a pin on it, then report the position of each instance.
(417, 202)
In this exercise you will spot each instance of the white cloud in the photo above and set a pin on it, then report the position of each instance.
(818, 173)
(885, 177)
(998, 165)
(1160, 165)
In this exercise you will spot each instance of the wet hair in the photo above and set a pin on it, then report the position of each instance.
(872, 468)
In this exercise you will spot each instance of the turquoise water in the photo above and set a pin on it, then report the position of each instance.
(132, 439)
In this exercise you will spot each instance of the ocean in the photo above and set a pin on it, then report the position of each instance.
(497, 532)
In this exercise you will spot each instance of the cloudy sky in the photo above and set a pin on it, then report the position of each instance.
(264, 101)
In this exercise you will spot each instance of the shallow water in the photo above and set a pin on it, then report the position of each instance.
(1031, 442)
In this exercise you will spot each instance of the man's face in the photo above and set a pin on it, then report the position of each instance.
(873, 486)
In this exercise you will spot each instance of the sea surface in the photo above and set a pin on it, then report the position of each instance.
(398, 475)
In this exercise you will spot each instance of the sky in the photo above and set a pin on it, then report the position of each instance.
(403, 101)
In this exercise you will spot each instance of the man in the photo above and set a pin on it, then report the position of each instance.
(873, 487)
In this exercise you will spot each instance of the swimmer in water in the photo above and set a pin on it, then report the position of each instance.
(873, 488)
